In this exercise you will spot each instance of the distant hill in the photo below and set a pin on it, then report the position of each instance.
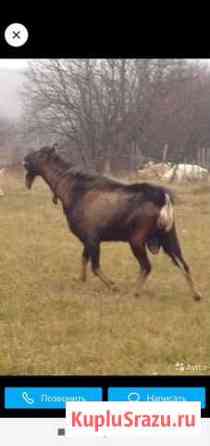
(11, 82)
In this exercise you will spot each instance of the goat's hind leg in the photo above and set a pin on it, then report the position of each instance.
(188, 276)
(139, 250)
(172, 248)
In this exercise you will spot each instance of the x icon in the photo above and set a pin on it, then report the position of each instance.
(16, 34)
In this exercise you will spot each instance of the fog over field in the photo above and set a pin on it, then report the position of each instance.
(11, 82)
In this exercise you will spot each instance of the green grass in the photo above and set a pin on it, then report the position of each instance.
(51, 323)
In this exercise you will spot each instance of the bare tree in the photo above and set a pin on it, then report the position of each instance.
(109, 113)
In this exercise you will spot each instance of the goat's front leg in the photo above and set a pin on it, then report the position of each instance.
(93, 250)
(84, 263)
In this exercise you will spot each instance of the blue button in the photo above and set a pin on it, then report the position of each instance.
(48, 397)
(158, 394)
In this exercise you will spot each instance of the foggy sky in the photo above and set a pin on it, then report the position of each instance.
(11, 82)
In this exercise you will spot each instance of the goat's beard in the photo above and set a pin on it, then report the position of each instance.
(29, 179)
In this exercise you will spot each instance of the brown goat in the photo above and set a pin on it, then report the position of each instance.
(99, 209)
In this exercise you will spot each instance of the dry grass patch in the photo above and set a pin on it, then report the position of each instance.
(52, 323)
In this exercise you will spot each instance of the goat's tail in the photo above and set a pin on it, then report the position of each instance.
(166, 217)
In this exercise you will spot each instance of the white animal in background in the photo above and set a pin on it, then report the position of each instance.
(188, 172)
(155, 169)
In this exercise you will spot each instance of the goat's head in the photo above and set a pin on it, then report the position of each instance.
(34, 161)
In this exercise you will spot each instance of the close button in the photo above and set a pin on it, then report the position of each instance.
(16, 35)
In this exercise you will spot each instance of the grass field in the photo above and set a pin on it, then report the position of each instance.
(50, 323)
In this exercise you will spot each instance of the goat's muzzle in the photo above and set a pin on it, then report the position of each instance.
(30, 174)
(29, 179)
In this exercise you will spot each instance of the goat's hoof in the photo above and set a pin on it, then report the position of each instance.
(111, 286)
(111, 283)
(137, 294)
(197, 297)
(114, 288)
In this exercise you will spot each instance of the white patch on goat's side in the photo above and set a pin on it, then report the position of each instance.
(166, 217)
